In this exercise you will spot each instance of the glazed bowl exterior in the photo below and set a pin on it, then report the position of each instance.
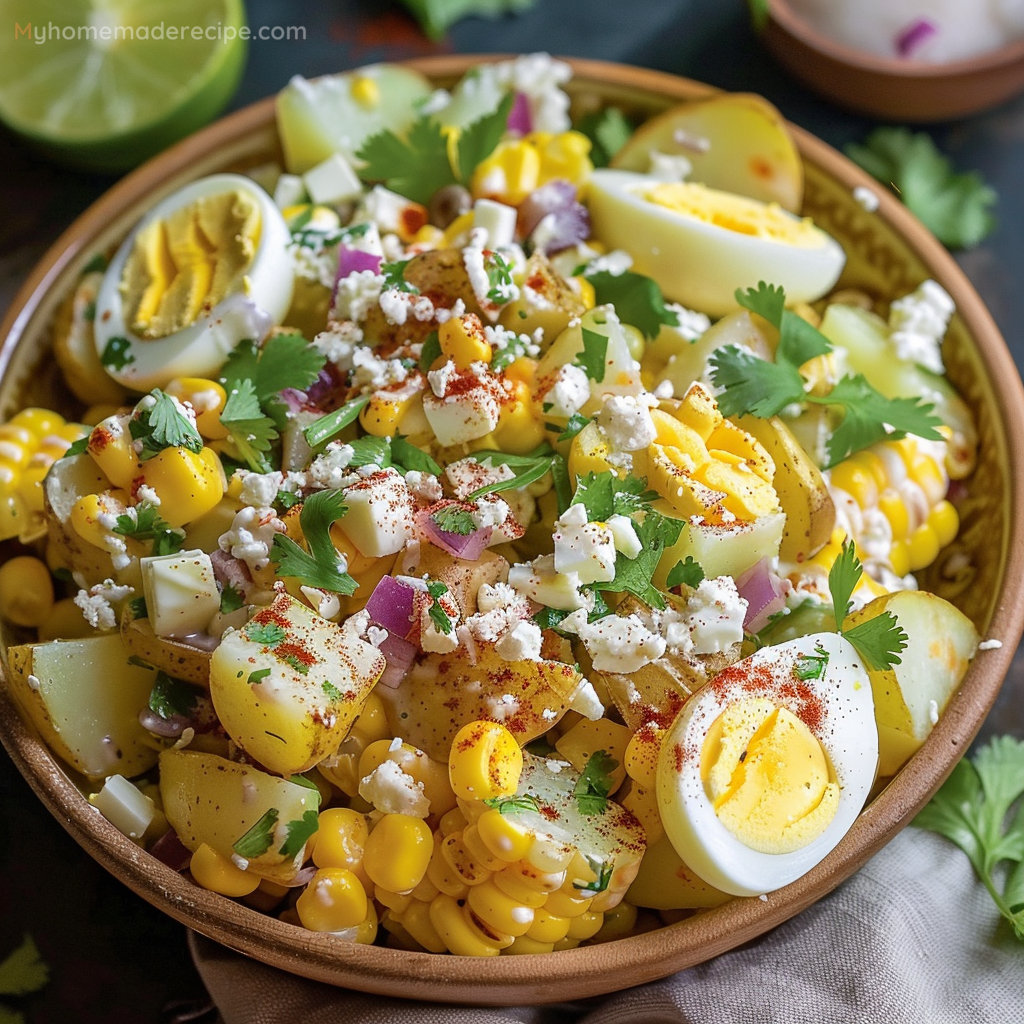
(889, 253)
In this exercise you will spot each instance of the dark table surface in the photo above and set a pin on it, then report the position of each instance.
(116, 959)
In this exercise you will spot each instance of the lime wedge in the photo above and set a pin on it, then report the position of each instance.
(105, 84)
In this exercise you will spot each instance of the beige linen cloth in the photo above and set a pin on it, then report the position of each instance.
(913, 937)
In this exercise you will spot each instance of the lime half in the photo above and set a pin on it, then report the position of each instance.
(104, 84)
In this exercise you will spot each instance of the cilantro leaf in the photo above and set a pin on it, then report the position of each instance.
(576, 422)
(749, 384)
(269, 634)
(637, 300)
(438, 616)
(604, 495)
(454, 519)
(634, 575)
(325, 429)
(408, 457)
(172, 697)
(230, 600)
(956, 207)
(249, 430)
(595, 783)
(331, 692)
(259, 838)
(502, 289)
(515, 347)
(138, 609)
(147, 524)
(878, 640)
(437, 16)
(608, 131)
(298, 833)
(593, 357)
(23, 971)
(511, 804)
(285, 500)
(116, 354)
(430, 351)
(370, 451)
(687, 573)
(477, 141)
(416, 166)
(394, 277)
(320, 566)
(868, 415)
(602, 870)
(257, 677)
(162, 425)
(812, 666)
(527, 468)
(973, 809)
(79, 447)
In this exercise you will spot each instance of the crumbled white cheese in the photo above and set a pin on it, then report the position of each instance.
(251, 535)
(337, 343)
(569, 392)
(866, 197)
(502, 707)
(439, 378)
(918, 322)
(691, 323)
(616, 262)
(626, 422)
(491, 511)
(357, 294)
(259, 489)
(499, 595)
(147, 494)
(671, 167)
(586, 702)
(393, 791)
(990, 645)
(616, 643)
(425, 486)
(327, 604)
(521, 643)
(96, 603)
(541, 582)
(715, 614)
(468, 475)
(584, 548)
(330, 470)
(436, 640)
(397, 305)
(539, 77)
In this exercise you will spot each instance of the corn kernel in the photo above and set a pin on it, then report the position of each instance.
(509, 174)
(462, 340)
(585, 289)
(456, 930)
(26, 591)
(86, 513)
(586, 925)
(504, 838)
(392, 900)
(923, 547)
(207, 398)
(519, 879)
(524, 945)
(452, 821)
(416, 921)
(426, 890)
(340, 838)
(39, 421)
(461, 862)
(498, 910)
(858, 482)
(110, 446)
(485, 761)
(899, 557)
(564, 905)
(397, 852)
(618, 922)
(945, 521)
(30, 484)
(518, 430)
(217, 873)
(333, 901)
(396, 410)
(565, 155)
(188, 484)
(890, 504)
(548, 927)
(372, 723)
(930, 477)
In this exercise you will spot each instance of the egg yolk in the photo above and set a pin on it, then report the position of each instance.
(767, 777)
(735, 213)
(183, 264)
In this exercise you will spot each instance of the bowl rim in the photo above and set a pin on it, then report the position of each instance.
(591, 970)
(790, 21)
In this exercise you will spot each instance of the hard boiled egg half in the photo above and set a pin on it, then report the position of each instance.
(766, 768)
(700, 244)
(205, 268)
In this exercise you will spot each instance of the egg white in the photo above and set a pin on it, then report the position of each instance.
(699, 264)
(200, 349)
(846, 732)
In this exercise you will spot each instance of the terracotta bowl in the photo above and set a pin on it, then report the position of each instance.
(894, 89)
(889, 254)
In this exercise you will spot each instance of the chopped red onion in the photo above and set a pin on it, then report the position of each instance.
(553, 218)
(350, 261)
(462, 545)
(765, 594)
(914, 36)
(400, 655)
(170, 850)
(170, 728)
(393, 606)
(519, 117)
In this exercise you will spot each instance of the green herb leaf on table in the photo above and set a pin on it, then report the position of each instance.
(595, 783)
(319, 567)
(251, 433)
(879, 640)
(687, 573)
(637, 300)
(454, 519)
(955, 207)
(974, 810)
(259, 838)
(163, 426)
(608, 130)
(592, 359)
(23, 971)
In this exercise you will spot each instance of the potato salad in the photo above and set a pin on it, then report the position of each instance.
(492, 530)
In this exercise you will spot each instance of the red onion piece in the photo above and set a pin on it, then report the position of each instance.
(170, 850)
(461, 545)
(519, 117)
(400, 655)
(551, 196)
(352, 260)
(765, 594)
(551, 215)
(914, 36)
(393, 606)
(170, 728)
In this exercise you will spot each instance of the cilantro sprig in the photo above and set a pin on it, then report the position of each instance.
(592, 358)
(634, 575)
(604, 495)
(324, 430)
(878, 640)
(320, 566)
(811, 666)
(147, 524)
(750, 385)
(637, 300)
(512, 804)
(526, 468)
(454, 519)
(250, 431)
(595, 783)
(438, 616)
(162, 425)
(973, 809)
(687, 572)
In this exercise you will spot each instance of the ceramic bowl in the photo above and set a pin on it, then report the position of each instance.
(889, 254)
(894, 89)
